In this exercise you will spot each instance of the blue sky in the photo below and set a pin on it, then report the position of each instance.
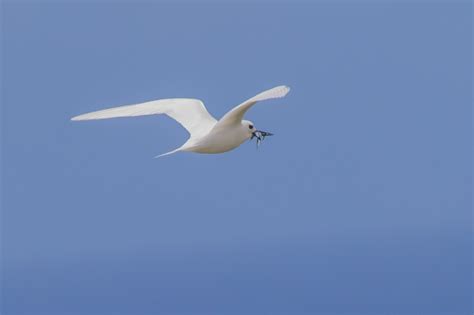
(360, 203)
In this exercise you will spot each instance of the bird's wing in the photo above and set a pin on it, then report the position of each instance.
(190, 113)
(235, 115)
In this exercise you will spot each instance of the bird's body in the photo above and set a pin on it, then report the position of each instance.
(218, 141)
(207, 135)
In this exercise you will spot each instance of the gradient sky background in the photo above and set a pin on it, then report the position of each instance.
(360, 204)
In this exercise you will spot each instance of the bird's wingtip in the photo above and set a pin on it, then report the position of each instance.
(282, 90)
(78, 117)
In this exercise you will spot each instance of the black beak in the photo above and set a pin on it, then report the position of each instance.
(260, 135)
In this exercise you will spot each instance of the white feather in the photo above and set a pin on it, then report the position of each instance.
(235, 115)
(190, 113)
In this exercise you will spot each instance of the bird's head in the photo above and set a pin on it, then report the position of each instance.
(253, 132)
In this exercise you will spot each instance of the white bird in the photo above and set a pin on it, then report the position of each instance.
(207, 135)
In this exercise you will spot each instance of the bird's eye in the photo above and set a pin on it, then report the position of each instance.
(250, 127)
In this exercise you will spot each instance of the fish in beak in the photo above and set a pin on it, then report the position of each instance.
(260, 135)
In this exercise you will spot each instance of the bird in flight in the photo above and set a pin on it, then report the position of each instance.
(206, 134)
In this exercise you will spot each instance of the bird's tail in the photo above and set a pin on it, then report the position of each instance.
(168, 153)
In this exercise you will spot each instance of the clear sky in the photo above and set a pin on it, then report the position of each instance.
(360, 203)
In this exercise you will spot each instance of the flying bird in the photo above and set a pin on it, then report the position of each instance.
(206, 134)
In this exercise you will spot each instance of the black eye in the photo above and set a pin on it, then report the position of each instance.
(250, 127)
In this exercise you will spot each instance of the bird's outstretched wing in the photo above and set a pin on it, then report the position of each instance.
(235, 115)
(190, 113)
